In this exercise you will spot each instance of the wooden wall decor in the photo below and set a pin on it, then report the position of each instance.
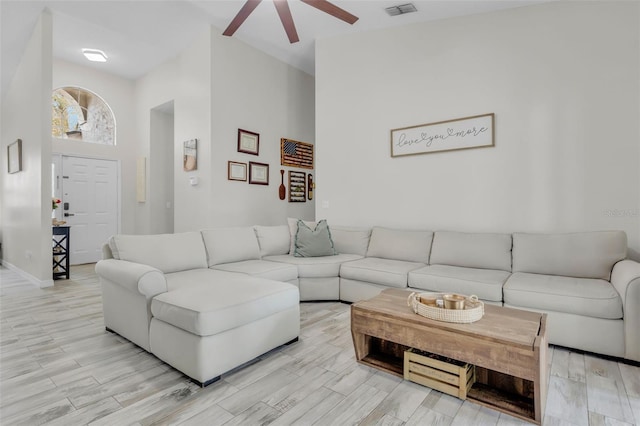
(310, 186)
(296, 154)
(282, 190)
(297, 187)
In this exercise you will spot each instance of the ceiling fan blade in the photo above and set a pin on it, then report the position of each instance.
(244, 13)
(282, 6)
(332, 10)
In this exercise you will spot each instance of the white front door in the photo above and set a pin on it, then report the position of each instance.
(89, 205)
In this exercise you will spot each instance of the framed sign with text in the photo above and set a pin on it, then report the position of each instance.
(449, 135)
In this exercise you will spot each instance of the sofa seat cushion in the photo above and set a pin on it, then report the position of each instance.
(484, 283)
(262, 268)
(580, 296)
(315, 267)
(392, 273)
(214, 307)
(195, 277)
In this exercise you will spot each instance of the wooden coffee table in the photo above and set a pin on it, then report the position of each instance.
(507, 346)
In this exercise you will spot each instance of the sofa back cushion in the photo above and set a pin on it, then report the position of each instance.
(228, 245)
(477, 250)
(273, 240)
(580, 255)
(351, 240)
(395, 244)
(166, 252)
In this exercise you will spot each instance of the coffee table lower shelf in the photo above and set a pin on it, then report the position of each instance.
(481, 393)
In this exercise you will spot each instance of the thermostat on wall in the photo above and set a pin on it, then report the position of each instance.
(193, 180)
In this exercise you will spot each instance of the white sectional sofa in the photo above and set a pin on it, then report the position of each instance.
(159, 292)
(206, 302)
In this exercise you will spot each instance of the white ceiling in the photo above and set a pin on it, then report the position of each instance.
(138, 35)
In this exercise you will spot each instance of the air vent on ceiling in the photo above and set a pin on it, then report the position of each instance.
(401, 9)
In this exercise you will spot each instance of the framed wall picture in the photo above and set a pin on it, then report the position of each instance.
(14, 156)
(449, 135)
(248, 142)
(258, 173)
(190, 157)
(297, 187)
(296, 154)
(237, 171)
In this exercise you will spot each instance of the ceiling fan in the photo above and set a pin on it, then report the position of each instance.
(282, 6)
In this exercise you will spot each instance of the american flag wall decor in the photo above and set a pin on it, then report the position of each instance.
(296, 154)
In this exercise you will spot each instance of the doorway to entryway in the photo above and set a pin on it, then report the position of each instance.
(90, 195)
(161, 169)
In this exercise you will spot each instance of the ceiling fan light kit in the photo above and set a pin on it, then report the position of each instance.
(282, 7)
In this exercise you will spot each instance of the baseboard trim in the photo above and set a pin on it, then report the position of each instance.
(27, 276)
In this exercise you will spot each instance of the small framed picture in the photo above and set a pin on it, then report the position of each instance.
(14, 156)
(237, 171)
(190, 155)
(297, 187)
(248, 142)
(258, 173)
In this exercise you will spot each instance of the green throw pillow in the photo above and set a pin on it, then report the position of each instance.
(314, 242)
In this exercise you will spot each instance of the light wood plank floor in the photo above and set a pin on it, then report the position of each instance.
(58, 366)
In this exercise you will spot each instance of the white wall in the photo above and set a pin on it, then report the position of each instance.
(26, 196)
(185, 80)
(118, 93)
(563, 81)
(219, 85)
(256, 92)
(151, 91)
(193, 121)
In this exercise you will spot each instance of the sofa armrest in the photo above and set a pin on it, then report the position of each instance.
(625, 277)
(135, 277)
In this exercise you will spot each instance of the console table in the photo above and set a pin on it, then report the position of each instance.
(508, 348)
(61, 252)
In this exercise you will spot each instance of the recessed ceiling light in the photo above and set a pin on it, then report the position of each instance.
(95, 55)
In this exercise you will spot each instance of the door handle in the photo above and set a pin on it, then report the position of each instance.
(69, 214)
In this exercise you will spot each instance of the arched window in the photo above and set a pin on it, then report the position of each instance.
(82, 115)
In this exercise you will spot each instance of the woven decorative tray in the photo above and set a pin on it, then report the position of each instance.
(472, 312)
